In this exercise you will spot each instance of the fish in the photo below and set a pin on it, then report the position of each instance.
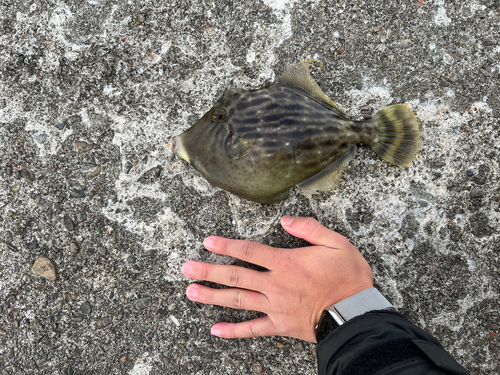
(258, 144)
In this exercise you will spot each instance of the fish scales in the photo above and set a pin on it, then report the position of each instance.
(259, 143)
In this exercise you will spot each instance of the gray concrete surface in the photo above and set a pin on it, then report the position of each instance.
(90, 93)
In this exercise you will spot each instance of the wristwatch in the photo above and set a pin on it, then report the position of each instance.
(358, 304)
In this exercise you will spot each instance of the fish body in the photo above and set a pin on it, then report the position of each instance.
(259, 143)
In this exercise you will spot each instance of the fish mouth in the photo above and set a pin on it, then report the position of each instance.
(177, 148)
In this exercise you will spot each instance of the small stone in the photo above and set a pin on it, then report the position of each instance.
(102, 250)
(85, 308)
(131, 259)
(103, 322)
(45, 268)
(84, 146)
(194, 330)
(77, 319)
(16, 187)
(28, 175)
(143, 303)
(33, 244)
(73, 248)
(163, 312)
(94, 173)
(3, 332)
(477, 193)
(280, 345)
(40, 138)
(257, 368)
(59, 125)
(70, 371)
(128, 167)
(137, 339)
(68, 223)
(476, 203)
(81, 217)
(123, 359)
(75, 193)
(8, 170)
(470, 173)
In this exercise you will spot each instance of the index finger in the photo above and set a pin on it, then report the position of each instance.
(249, 251)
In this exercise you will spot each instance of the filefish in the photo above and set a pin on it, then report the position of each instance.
(258, 144)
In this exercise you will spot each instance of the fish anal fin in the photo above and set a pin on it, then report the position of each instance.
(329, 178)
(299, 77)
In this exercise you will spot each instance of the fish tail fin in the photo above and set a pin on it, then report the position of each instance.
(398, 135)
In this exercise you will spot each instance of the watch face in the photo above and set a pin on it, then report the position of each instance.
(326, 325)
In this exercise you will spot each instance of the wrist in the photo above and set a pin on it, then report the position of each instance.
(358, 304)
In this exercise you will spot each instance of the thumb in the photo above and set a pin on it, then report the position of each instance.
(312, 231)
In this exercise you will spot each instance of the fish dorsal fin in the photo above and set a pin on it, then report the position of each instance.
(329, 178)
(299, 77)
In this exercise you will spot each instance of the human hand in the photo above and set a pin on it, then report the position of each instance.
(298, 286)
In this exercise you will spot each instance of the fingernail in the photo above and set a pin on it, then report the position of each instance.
(215, 331)
(208, 243)
(192, 291)
(287, 220)
(187, 269)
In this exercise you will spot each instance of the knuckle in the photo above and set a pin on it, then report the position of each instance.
(247, 250)
(252, 332)
(237, 299)
(233, 277)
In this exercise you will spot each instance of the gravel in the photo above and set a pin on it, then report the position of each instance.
(92, 92)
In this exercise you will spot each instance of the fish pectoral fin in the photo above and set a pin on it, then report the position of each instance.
(299, 77)
(329, 178)
(241, 147)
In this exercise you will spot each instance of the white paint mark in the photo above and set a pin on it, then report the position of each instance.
(441, 19)
(142, 366)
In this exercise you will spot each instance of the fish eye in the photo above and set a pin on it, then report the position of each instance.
(219, 114)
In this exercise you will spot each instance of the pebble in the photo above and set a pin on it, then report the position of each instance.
(28, 175)
(128, 167)
(194, 330)
(102, 250)
(137, 339)
(81, 217)
(68, 223)
(85, 308)
(45, 268)
(40, 138)
(477, 193)
(73, 248)
(476, 203)
(75, 193)
(17, 174)
(16, 187)
(131, 259)
(142, 303)
(84, 146)
(2, 332)
(33, 244)
(103, 322)
(59, 125)
(94, 173)
(123, 359)
(8, 170)
(470, 173)
(257, 368)
(77, 319)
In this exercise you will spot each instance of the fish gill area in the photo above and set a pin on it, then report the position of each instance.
(90, 94)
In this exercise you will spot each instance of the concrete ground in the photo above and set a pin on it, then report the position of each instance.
(90, 93)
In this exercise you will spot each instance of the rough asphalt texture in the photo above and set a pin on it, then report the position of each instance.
(90, 93)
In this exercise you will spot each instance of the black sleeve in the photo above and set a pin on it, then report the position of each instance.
(383, 343)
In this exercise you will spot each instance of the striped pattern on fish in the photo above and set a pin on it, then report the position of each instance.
(259, 143)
